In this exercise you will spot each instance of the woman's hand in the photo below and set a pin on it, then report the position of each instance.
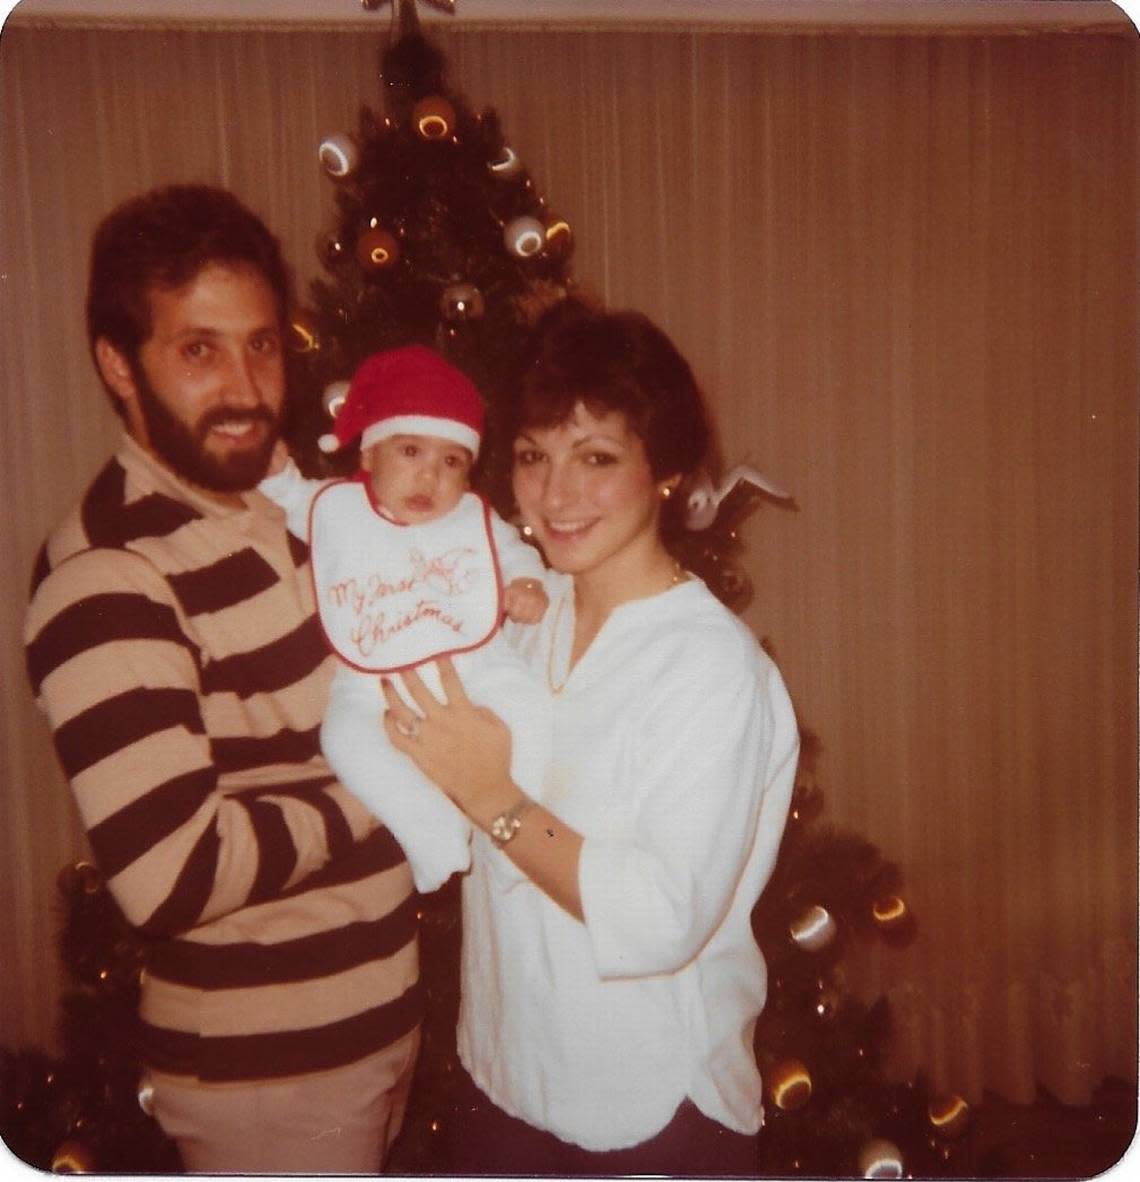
(464, 748)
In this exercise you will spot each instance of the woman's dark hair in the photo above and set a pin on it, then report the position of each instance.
(162, 239)
(615, 361)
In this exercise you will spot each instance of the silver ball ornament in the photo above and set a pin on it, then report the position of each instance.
(814, 929)
(880, 1158)
(333, 397)
(524, 237)
(506, 164)
(340, 155)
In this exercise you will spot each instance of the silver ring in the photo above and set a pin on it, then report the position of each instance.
(411, 730)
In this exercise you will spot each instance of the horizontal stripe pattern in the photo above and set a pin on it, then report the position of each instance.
(286, 659)
(175, 651)
(183, 906)
(299, 550)
(122, 720)
(127, 833)
(113, 520)
(224, 1058)
(222, 584)
(240, 965)
(238, 754)
(383, 854)
(337, 833)
(99, 619)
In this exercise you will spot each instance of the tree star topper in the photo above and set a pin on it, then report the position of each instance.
(447, 6)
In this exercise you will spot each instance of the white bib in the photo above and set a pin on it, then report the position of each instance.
(392, 596)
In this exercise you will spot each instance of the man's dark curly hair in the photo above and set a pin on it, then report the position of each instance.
(163, 239)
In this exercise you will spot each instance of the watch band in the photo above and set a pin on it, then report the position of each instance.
(503, 828)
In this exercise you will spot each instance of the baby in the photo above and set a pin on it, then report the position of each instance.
(409, 565)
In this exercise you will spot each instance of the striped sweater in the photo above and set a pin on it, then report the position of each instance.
(173, 644)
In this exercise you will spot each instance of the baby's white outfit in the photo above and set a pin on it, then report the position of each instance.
(391, 597)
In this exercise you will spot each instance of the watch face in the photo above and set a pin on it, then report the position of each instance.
(507, 824)
(503, 829)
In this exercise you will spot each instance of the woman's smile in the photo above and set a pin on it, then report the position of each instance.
(568, 530)
(586, 489)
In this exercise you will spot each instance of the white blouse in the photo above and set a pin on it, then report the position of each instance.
(674, 753)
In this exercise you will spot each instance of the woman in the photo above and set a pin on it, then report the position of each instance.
(610, 980)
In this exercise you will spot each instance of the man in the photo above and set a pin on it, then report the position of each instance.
(173, 644)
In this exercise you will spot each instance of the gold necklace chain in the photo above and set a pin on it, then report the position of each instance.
(678, 576)
(555, 689)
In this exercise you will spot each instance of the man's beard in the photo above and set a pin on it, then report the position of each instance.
(182, 446)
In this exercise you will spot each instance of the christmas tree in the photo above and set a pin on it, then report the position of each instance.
(84, 1111)
(442, 238)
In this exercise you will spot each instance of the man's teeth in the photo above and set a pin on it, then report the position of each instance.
(235, 428)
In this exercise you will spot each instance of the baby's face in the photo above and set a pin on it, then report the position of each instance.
(417, 478)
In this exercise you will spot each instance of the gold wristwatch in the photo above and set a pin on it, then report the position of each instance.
(507, 824)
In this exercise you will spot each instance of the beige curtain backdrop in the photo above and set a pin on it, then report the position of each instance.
(904, 268)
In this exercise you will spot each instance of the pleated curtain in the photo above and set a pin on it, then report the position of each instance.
(904, 269)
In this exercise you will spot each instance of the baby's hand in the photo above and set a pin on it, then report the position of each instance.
(525, 601)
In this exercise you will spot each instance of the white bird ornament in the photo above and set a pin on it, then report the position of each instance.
(705, 500)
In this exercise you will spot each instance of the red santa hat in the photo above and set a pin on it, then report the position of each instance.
(408, 391)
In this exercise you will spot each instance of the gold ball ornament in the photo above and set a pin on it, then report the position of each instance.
(559, 239)
(303, 334)
(893, 918)
(814, 929)
(880, 1158)
(949, 1116)
(524, 237)
(73, 1157)
(434, 117)
(788, 1085)
(377, 249)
